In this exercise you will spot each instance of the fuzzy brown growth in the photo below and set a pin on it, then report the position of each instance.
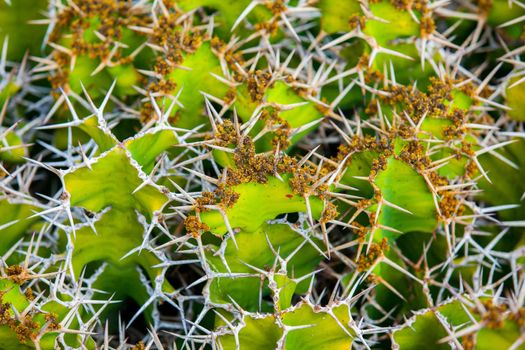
(359, 229)
(194, 226)
(276, 7)
(417, 103)
(52, 322)
(147, 112)
(165, 86)
(372, 107)
(223, 196)
(305, 180)
(405, 5)
(6, 319)
(373, 76)
(361, 144)
(375, 251)
(112, 17)
(519, 317)
(457, 129)
(25, 328)
(301, 182)
(226, 135)
(249, 166)
(426, 26)
(414, 154)
(494, 315)
(17, 274)
(233, 59)
(420, 5)
(437, 180)
(329, 213)
(167, 33)
(357, 21)
(271, 27)
(206, 198)
(281, 128)
(450, 205)
(258, 82)
(109, 18)
(484, 6)
(402, 4)
(471, 169)
(469, 342)
(362, 63)
(230, 96)
(162, 67)
(378, 164)
(256, 168)
(139, 346)
(29, 294)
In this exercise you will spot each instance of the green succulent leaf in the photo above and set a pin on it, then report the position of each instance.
(103, 138)
(515, 99)
(426, 330)
(506, 188)
(12, 149)
(196, 78)
(404, 187)
(14, 23)
(327, 330)
(259, 203)
(336, 15)
(257, 333)
(257, 250)
(228, 11)
(313, 329)
(112, 181)
(384, 32)
(145, 149)
(15, 334)
(15, 221)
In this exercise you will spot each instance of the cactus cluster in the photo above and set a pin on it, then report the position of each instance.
(262, 174)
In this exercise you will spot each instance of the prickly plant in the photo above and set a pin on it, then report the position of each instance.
(262, 174)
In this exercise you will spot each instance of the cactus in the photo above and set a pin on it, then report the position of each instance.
(93, 43)
(261, 175)
(30, 321)
(16, 20)
(300, 327)
(470, 323)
